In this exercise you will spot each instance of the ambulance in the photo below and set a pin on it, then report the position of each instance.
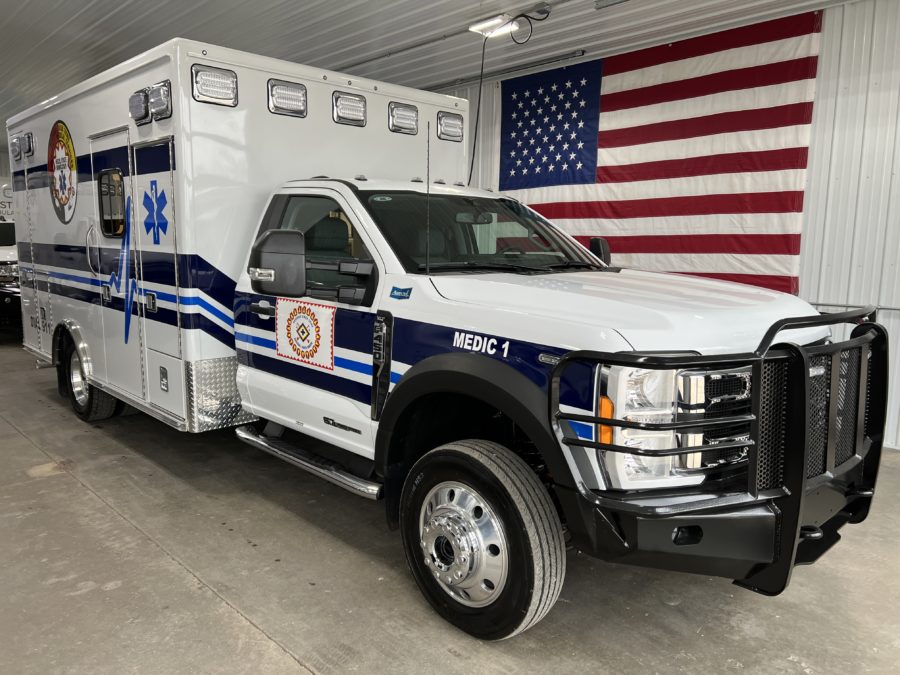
(220, 239)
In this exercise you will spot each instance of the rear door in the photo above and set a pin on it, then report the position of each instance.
(307, 361)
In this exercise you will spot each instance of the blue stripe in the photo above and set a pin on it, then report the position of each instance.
(254, 340)
(395, 377)
(583, 430)
(355, 366)
(200, 302)
(74, 277)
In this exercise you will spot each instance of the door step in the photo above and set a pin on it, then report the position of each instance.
(314, 464)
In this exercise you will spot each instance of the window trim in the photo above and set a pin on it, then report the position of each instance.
(109, 172)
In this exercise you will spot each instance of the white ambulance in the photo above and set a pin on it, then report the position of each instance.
(221, 239)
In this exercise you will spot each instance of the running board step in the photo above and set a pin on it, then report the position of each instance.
(318, 466)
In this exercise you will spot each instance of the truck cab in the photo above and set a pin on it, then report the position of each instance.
(674, 421)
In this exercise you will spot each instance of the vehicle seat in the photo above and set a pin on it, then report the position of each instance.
(328, 240)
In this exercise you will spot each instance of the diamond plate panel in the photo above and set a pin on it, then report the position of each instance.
(213, 398)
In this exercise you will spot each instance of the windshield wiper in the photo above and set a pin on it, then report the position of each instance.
(573, 264)
(472, 265)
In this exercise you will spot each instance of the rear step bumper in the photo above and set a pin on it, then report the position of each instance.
(318, 466)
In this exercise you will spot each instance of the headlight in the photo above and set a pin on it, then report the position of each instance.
(650, 396)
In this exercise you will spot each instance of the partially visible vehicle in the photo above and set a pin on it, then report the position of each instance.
(10, 305)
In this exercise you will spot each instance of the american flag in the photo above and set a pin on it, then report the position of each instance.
(688, 157)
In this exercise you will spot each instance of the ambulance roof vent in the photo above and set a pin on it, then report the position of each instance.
(319, 177)
(417, 180)
(440, 181)
(459, 183)
(360, 177)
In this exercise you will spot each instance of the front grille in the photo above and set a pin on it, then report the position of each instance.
(819, 386)
(772, 421)
(847, 406)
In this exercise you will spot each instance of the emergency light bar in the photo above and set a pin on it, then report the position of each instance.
(450, 126)
(403, 118)
(159, 100)
(287, 98)
(139, 107)
(349, 108)
(28, 144)
(214, 85)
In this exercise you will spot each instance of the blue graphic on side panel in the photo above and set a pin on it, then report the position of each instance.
(155, 221)
(123, 274)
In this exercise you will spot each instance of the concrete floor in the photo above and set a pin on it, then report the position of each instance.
(129, 547)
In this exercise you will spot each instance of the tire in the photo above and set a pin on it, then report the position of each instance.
(89, 403)
(473, 509)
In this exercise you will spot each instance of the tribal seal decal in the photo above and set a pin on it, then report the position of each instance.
(303, 332)
(62, 167)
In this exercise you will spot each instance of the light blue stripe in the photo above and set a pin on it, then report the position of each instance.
(583, 430)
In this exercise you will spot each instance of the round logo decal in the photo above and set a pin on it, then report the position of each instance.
(62, 166)
(303, 332)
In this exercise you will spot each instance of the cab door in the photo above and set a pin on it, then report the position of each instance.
(306, 362)
(117, 263)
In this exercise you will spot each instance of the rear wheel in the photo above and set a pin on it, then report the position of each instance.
(482, 538)
(89, 403)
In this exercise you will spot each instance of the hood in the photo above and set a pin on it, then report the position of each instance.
(652, 311)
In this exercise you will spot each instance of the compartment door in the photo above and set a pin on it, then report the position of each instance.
(163, 306)
(31, 315)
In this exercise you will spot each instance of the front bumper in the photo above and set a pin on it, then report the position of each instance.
(803, 484)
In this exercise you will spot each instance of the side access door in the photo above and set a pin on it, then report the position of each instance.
(306, 358)
(117, 264)
(35, 326)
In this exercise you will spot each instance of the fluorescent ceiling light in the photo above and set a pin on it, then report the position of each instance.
(496, 25)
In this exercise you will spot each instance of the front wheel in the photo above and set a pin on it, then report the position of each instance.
(88, 402)
(482, 538)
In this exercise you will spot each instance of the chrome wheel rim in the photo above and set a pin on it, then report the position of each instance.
(78, 380)
(464, 544)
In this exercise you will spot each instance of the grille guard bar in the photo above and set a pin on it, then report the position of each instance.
(854, 480)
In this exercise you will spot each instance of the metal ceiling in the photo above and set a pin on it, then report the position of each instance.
(48, 45)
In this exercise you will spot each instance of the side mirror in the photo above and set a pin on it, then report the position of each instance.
(600, 248)
(278, 264)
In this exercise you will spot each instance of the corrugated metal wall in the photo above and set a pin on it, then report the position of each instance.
(851, 237)
(850, 249)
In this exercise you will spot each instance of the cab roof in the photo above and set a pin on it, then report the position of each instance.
(416, 185)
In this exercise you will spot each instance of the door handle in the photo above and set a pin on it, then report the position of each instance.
(90, 247)
(262, 310)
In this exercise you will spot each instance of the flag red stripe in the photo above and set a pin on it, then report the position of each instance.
(754, 244)
(707, 125)
(697, 205)
(768, 31)
(715, 83)
(735, 162)
(775, 282)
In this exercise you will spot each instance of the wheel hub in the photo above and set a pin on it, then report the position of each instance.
(463, 543)
(78, 380)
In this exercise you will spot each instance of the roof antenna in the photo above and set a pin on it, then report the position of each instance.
(428, 198)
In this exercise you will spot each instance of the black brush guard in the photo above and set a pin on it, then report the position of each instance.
(813, 455)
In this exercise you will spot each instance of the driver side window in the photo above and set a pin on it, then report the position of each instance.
(330, 237)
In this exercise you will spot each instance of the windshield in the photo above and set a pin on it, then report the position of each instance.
(7, 234)
(471, 233)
